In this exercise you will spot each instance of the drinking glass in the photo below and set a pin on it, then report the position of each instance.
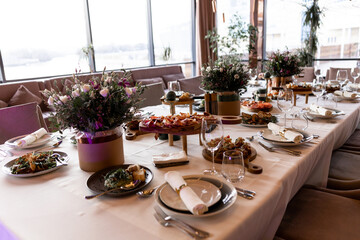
(174, 86)
(318, 88)
(285, 102)
(212, 135)
(355, 74)
(317, 72)
(300, 121)
(342, 77)
(253, 74)
(233, 167)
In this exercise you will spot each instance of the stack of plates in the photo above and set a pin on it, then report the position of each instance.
(216, 193)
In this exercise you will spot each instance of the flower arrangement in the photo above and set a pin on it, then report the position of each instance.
(223, 76)
(283, 64)
(103, 103)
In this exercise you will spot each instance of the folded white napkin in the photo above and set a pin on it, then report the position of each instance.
(192, 202)
(31, 138)
(295, 137)
(346, 94)
(320, 110)
(166, 158)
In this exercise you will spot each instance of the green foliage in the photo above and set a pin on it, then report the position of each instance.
(283, 64)
(167, 54)
(225, 76)
(305, 58)
(101, 104)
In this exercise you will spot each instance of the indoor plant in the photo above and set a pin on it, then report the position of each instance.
(96, 110)
(228, 78)
(282, 66)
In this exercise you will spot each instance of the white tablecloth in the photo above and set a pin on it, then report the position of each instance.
(52, 206)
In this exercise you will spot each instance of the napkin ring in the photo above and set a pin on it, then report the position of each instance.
(179, 188)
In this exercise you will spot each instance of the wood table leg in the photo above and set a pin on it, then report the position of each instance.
(200, 142)
(190, 108)
(294, 99)
(184, 143)
(306, 98)
(172, 109)
(171, 140)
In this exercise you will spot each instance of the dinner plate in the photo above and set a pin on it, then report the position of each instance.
(206, 191)
(340, 98)
(268, 136)
(41, 141)
(228, 197)
(7, 167)
(336, 113)
(96, 181)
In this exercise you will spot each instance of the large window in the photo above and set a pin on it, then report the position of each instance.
(284, 25)
(41, 37)
(120, 33)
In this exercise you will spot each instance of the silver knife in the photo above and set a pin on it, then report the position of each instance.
(246, 191)
(198, 232)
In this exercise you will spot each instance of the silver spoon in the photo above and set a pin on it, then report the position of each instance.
(126, 187)
(146, 193)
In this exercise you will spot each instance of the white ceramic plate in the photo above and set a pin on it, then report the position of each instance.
(268, 136)
(336, 113)
(41, 141)
(340, 98)
(7, 167)
(228, 197)
(206, 191)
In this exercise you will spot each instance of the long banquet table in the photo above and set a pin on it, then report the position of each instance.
(52, 206)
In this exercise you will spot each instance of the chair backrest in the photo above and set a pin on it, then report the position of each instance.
(191, 85)
(331, 74)
(19, 120)
(152, 94)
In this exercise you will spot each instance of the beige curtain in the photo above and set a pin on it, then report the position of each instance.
(205, 21)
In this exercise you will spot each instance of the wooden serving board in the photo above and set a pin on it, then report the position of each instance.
(194, 129)
(252, 168)
(248, 109)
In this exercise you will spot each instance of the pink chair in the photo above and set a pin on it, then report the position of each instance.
(191, 85)
(19, 120)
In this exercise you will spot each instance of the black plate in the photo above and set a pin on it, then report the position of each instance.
(96, 181)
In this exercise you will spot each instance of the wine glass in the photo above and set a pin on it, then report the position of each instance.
(285, 102)
(212, 135)
(233, 167)
(355, 74)
(317, 72)
(300, 120)
(342, 77)
(253, 74)
(318, 88)
(174, 86)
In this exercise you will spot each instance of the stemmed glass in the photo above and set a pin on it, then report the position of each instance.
(212, 135)
(355, 74)
(317, 72)
(253, 74)
(285, 103)
(174, 86)
(233, 167)
(342, 77)
(318, 89)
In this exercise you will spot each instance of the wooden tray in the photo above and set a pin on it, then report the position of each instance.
(248, 109)
(195, 129)
(252, 168)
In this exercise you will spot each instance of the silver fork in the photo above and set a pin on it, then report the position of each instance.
(198, 232)
(272, 149)
(166, 223)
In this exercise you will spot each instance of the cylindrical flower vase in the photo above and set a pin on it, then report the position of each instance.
(228, 103)
(103, 150)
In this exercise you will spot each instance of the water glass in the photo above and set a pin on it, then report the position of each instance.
(174, 86)
(342, 77)
(299, 122)
(233, 167)
(285, 102)
(318, 88)
(355, 74)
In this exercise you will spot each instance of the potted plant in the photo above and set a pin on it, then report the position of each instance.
(228, 78)
(96, 110)
(282, 66)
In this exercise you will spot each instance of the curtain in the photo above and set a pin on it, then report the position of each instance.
(205, 21)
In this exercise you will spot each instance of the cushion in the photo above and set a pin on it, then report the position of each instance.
(22, 96)
(152, 94)
(147, 81)
(344, 165)
(172, 77)
(313, 214)
(191, 85)
(3, 104)
(333, 72)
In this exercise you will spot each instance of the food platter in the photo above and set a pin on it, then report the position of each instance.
(96, 181)
(8, 165)
(186, 130)
(228, 197)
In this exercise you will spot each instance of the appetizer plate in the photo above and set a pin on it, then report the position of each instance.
(7, 167)
(41, 141)
(268, 136)
(206, 191)
(228, 197)
(336, 113)
(96, 181)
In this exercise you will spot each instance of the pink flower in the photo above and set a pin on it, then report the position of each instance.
(104, 92)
